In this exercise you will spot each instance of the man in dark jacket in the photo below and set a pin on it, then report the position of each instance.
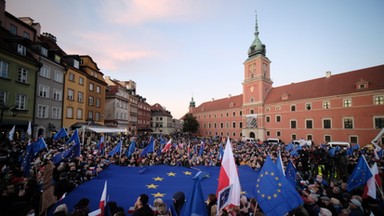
(141, 206)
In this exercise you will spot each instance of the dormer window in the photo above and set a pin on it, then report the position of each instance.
(284, 96)
(22, 50)
(76, 64)
(57, 59)
(362, 84)
(44, 51)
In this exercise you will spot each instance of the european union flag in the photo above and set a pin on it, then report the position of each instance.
(116, 150)
(26, 164)
(61, 134)
(195, 202)
(150, 148)
(131, 148)
(289, 147)
(279, 164)
(39, 145)
(274, 193)
(360, 174)
(290, 173)
(74, 138)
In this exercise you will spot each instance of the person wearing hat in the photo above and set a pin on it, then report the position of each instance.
(312, 205)
(141, 206)
(325, 202)
(355, 207)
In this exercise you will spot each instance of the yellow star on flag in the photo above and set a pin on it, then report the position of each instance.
(152, 186)
(187, 173)
(171, 174)
(158, 194)
(158, 178)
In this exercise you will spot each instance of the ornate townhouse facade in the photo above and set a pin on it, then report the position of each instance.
(343, 107)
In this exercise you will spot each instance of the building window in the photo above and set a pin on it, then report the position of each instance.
(278, 118)
(90, 101)
(80, 97)
(234, 114)
(353, 139)
(240, 113)
(327, 138)
(293, 108)
(22, 50)
(227, 124)
(233, 124)
(69, 112)
(277, 108)
(326, 105)
(90, 116)
(227, 114)
(308, 106)
(379, 122)
(56, 112)
(240, 124)
(21, 102)
(70, 94)
(22, 75)
(26, 35)
(44, 51)
(57, 59)
(79, 114)
(71, 77)
(293, 124)
(348, 123)
(98, 89)
(76, 64)
(308, 124)
(278, 133)
(97, 116)
(327, 124)
(347, 103)
(81, 81)
(57, 94)
(44, 72)
(13, 29)
(3, 69)
(309, 137)
(252, 111)
(293, 137)
(251, 100)
(58, 76)
(44, 91)
(3, 96)
(268, 133)
(91, 86)
(42, 111)
(379, 100)
(221, 125)
(267, 118)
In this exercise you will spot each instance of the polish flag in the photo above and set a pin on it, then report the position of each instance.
(103, 200)
(167, 146)
(370, 188)
(229, 176)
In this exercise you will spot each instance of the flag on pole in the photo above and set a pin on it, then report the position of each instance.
(229, 177)
(29, 130)
(74, 138)
(116, 150)
(275, 195)
(201, 150)
(131, 148)
(11, 132)
(150, 147)
(167, 146)
(103, 200)
(195, 202)
(279, 164)
(290, 173)
(61, 134)
(360, 174)
(370, 188)
(39, 145)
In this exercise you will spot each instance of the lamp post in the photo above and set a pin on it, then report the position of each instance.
(3, 108)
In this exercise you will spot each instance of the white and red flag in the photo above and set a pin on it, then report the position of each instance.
(229, 177)
(167, 146)
(373, 183)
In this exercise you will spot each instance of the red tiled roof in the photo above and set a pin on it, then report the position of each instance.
(221, 104)
(338, 84)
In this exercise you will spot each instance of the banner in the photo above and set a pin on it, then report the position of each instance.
(251, 120)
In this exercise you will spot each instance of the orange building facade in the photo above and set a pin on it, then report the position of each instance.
(343, 107)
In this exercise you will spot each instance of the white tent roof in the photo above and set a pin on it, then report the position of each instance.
(106, 129)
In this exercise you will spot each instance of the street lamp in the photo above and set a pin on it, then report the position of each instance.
(3, 108)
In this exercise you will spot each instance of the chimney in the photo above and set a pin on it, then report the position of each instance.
(50, 36)
(213, 99)
(229, 95)
(328, 74)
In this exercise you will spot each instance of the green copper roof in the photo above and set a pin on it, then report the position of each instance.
(256, 47)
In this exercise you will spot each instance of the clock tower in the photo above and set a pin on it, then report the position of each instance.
(256, 86)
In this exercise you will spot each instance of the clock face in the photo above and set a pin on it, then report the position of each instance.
(252, 67)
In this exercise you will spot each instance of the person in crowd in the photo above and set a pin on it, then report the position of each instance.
(211, 202)
(141, 207)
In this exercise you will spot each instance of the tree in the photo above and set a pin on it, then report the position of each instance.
(190, 125)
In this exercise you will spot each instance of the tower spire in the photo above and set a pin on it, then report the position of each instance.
(256, 48)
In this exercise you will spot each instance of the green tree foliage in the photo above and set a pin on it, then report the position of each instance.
(190, 125)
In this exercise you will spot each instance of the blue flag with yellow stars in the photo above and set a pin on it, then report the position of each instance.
(360, 174)
(125, 184)
(274, 193)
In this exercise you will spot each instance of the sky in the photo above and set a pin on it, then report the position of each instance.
(178, 49)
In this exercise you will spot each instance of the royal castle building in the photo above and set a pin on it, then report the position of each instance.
(344, 107)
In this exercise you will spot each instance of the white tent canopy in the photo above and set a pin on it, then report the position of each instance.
(106, 129)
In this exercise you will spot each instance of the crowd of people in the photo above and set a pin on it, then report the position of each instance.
(321, 180)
